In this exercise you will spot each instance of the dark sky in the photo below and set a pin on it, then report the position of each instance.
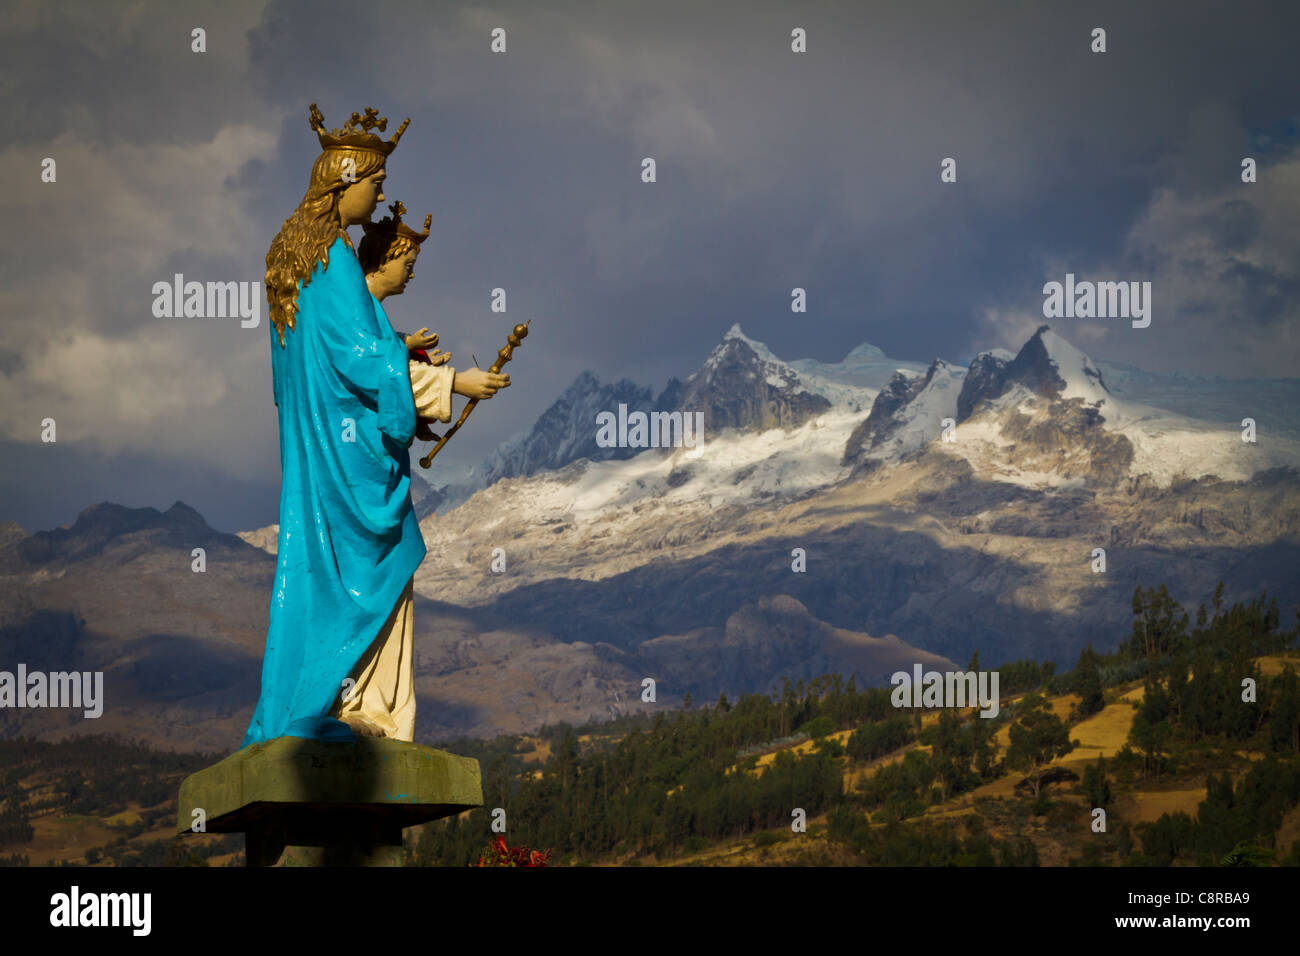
(775, 170)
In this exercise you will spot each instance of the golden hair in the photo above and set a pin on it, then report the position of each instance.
(306, 236)
(379, 247)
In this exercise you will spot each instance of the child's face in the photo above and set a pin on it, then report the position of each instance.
(395, 273)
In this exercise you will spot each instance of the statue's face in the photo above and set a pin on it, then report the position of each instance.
(404, 267)
(359, 200)
(392, 276)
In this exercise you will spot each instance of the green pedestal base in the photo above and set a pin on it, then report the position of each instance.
(310, 803)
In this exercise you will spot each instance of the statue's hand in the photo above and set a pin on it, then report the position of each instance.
(439, 358)
(421, 340)
(423, 431)
(479, 384)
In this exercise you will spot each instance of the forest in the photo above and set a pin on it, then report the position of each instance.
(649, 790)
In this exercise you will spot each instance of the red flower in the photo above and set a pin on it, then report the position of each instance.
(497, 853)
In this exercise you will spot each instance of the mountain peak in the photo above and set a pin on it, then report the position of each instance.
(733, 338)
(99, 525)
(866, 352)
(180, 509)
(563, 433)
(906, 415)
(1075, 371)
(743, 385)
(1046, 364)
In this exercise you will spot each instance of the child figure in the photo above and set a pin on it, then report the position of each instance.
(387, 255)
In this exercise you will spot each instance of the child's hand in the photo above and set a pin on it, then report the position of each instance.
(439, 358)
(421, 340)
(479, 384)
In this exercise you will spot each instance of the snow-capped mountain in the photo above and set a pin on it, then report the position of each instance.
(564, 433)
(1043, 419)
(741, 387)
(1049, 415)
(1046, 365)
(907, 413)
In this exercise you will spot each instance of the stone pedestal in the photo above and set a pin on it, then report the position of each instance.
(311, 803)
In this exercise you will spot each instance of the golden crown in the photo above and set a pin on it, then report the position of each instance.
(393, 225)
(356, 134)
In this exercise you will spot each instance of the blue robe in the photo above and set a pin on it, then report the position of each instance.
(349, 540)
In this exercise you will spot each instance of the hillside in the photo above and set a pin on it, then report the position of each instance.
(1189, 772)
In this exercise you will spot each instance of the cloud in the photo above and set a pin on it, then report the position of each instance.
(78, 292)
(1224, 267)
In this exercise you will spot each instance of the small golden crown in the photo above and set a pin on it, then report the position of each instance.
(393, 225)
(356, 133)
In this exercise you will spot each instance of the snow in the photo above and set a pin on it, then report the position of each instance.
(921, 419)
(864, 354)
(735, 334)
(1222, 401)
(622, 496)
(849, 385)
(1168, 446)
(1201, 437)
(1195, 440)
(869, 370)
(1082, 378)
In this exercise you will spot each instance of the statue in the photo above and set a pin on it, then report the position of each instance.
(338, 650)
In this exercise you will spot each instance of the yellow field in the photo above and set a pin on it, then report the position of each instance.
(1146, 806)
(1274, 663)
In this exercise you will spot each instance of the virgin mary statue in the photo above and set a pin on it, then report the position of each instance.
(338, 656)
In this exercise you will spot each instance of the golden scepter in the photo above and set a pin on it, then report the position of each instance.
(513, 340)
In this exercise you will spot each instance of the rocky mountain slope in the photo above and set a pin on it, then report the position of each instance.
(180, 650)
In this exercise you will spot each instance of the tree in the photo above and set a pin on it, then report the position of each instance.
(1038, 737)
(950, 753)
(1159, 624)
(1151, 731)
(1087, 683)
(1246, 853)
(984, 745)
(1095, 785)
(818, 727)
(1284, 727)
